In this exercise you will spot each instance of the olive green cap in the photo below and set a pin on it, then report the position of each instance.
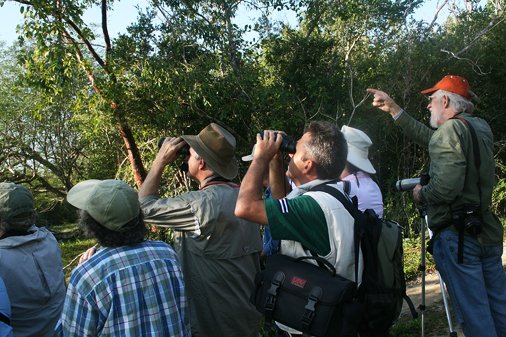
(112, 203)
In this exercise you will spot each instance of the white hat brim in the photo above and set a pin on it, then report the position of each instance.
(360, 163)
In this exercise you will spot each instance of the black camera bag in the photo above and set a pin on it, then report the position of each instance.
(312, 299)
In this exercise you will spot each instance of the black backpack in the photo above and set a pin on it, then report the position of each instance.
(383, 286)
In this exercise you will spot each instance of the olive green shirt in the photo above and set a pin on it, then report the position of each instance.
(453, 174)
(219, 254)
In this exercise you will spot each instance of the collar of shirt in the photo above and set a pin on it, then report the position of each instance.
(301, 189)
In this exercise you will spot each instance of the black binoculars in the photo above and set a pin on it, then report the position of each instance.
(288, 145)
(184, 151)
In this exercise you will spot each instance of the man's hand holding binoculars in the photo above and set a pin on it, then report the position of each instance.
(268, 145)
(170, 149)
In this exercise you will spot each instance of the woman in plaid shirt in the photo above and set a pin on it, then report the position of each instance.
(130, 286)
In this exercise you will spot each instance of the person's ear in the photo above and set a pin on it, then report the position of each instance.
(309, 165)
(202, 164)
(446, 101)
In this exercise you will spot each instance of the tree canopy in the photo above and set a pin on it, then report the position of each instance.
(77, 104)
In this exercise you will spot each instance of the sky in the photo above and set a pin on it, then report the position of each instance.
(125, 13)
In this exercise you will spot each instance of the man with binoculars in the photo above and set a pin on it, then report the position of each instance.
(468, 237)
(307, 221)
(220, 253)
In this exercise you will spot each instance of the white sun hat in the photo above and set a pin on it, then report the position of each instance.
(249, 157)
(358, 148)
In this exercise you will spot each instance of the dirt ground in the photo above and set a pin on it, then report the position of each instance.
(433, 297)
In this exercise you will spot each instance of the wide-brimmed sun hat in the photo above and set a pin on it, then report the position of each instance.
(217, 147)
(112, 203)
(452, 83)
(358, 148)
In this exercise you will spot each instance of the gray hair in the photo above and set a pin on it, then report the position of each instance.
(457, 102)
(21, 223)
(327, 148)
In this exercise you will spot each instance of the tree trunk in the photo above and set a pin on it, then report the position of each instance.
(138, 170)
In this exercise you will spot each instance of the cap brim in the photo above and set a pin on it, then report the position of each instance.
(428, 91)
(79, 194)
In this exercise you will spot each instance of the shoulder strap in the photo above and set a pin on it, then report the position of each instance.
(5, 319)
(353, 210)
(347, 186)
(477, 163)
(410, 304)
(474, 138)
(347, 203)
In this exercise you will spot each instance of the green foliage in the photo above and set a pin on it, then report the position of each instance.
(406, 329)
(185, 64)
(413, 255)
(39, 137)
(499, 194)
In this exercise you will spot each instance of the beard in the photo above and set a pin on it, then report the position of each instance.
(433, 120)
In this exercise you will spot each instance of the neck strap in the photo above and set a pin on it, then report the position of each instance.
(476, 149)
(218, 181)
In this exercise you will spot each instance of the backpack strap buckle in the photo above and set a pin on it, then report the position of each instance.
(270, 302)
(310, 308)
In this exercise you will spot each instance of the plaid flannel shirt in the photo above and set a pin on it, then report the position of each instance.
(127, 291)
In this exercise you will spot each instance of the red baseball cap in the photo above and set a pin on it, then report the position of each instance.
(452, 83)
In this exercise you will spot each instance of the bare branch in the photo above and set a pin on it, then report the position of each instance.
(476, 67)
(438, 9)
(301, 101)
(81, 60)
(105, 30)
(89, 46)
(366, 96)
(23, 2)
(491, 25)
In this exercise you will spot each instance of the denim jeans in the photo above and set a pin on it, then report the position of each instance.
(477, 287)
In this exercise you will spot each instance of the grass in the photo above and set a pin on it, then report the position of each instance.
(71, 250)
(435, 323)
(65, 228)
(72, 245)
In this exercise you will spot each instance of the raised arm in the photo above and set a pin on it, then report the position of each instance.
(384, 102)
(278, 182)
(166, 155)
(250, 204)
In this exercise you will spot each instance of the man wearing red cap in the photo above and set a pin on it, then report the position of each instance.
(467, 241)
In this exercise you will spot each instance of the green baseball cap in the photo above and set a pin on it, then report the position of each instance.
(112, 203)
(15, 200)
